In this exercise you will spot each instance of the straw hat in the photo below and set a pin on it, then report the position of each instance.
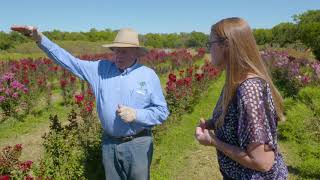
(126, 37)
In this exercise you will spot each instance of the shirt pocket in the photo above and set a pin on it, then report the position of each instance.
(140, 98)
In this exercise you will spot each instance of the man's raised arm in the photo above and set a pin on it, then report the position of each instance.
(86, 70)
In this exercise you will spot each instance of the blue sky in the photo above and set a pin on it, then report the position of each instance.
(156, 16)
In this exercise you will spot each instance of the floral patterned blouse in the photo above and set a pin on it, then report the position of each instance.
(250, 118)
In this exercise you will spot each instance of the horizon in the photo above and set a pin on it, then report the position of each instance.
(147, 16)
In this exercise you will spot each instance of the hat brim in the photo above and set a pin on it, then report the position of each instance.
(142, 49)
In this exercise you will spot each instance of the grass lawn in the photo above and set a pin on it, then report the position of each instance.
(170, 152)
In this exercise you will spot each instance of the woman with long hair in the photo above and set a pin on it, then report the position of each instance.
(246, 115)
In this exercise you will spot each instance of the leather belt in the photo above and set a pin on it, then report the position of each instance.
(145, 132)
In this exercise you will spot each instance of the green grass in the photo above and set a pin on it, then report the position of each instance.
(299, 134)
(31, 50)
(5, 56)
(290, 152)
(163, 80)
(170, 151)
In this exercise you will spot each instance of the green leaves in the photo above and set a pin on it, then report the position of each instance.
(71, 149)
(302, 127)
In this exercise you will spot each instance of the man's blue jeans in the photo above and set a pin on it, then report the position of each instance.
(127, 160)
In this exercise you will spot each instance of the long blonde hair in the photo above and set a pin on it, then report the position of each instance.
(242, 57)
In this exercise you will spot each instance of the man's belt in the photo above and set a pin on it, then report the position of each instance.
(145, 132)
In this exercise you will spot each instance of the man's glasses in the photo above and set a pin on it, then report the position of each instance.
(210, 43)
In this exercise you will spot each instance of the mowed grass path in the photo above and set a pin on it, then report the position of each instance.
(177, 155)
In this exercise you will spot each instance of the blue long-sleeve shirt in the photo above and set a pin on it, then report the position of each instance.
(137, 86)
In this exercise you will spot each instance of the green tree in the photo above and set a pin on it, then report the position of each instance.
(5, 42)
(263, 36)
(105, 35)
(309, 29)
(285, 33)
(75, 36)
(9, 40)
(310, 16)
(172, 40)
(54, 35)
(153, 40)
(197, 39)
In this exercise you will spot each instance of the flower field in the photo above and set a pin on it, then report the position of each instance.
(72, 145)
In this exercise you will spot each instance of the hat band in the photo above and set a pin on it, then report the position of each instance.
(126, 43)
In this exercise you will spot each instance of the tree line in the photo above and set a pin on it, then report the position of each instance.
(305, 29)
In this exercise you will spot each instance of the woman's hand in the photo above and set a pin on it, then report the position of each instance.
(203, 135)
(29, 31)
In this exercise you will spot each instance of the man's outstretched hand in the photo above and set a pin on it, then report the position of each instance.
(29, 31)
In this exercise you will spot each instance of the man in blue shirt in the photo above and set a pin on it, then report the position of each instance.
(129, 101)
